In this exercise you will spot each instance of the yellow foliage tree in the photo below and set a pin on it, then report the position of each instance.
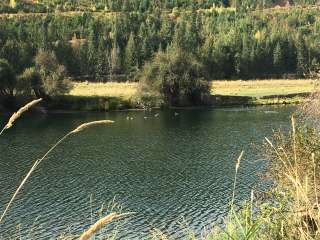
(13, 3)
(258, 35)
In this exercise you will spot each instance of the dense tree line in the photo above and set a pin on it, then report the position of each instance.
(228, 44)
(14, 6)
(172, 54)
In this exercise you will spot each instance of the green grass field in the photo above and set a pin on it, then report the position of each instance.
(252, 88)
(262, 88)
(111, 89)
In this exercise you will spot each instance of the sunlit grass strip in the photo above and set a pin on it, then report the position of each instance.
(37, 162)
(250, 88)
(261, 88)
(111, 89)
(235, 177)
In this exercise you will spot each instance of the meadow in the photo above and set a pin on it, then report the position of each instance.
(249, 88)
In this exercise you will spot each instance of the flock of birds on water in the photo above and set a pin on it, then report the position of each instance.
(177, 114)
(156, 115)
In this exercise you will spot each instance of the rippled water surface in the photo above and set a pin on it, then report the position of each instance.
(174, 171)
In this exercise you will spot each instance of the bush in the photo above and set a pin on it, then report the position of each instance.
(177, 78)
(7, 78)
(30, 80)
(52, 74)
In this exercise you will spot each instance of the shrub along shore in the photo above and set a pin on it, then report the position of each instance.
(122, 96)
(115, 96)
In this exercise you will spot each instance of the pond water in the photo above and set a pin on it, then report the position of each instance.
(175, 171)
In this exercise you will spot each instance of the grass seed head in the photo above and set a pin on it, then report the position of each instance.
(91, 124)
(99, 224)
(17, 114)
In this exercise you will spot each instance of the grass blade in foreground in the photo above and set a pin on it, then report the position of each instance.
(18, 114)
(99, 224)
(37, 162)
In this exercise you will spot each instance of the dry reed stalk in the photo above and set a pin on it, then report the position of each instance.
(294, 143)
(301, 190)
(311, 109)
(91, 124)
(279, 155)
(18, 189)
(235, 177)
(100, 224)
(37, 162)
(158, 235)
(315, 182)
(17, 114)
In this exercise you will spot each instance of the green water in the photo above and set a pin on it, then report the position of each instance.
(174, 171)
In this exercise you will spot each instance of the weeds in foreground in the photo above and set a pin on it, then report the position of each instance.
(18, 114)
(290, 210)
(100, 223)
(38, 161)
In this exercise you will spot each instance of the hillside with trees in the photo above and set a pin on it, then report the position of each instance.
(113, 42)
(44, 6)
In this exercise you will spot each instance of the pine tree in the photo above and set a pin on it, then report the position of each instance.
(126, 7)
(301, 55)
(208, 59)
(130, 58)
(44, 42)
(278, 62)
(144, 47)
(245, 57)
(101, 66)
(11, 52)
(192, 34)
(179, 38)
(93, 42)
(115, 58)
(146, 50)
(253, 61)
(166, 32)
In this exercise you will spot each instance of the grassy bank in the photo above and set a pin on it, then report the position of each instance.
(115, 96)
(250, 88)
(262, 88)
(124, 91)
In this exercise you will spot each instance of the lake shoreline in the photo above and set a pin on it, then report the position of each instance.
(99, 104)
(123, 96)
(70, 104)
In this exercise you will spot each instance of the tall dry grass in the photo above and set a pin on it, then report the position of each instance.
(93, 229)
(290, 209)
(295, 163)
